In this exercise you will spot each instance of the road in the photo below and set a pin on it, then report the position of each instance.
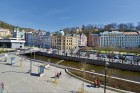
(94, 56)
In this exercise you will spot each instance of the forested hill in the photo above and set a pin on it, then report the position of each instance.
(97, 28)
(11, 27)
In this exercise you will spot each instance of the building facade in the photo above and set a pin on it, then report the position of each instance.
(4, 33)
(38, 38)
(17, 33)
(120, 39)
(44, 40)
(112, 39)
(12, 43)
(96, 40)
(90, 39)
(28, 38)
(82, 40)
(132, 39)
(64, 41)
(93, 40)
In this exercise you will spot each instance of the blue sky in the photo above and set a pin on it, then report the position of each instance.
(53, 15)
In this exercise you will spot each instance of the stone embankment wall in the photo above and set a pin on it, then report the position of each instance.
(94, 62)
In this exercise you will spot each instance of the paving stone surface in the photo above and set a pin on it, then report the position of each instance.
(17, 79)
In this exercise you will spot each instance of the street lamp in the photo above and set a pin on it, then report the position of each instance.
(93, 71)
(106, 64)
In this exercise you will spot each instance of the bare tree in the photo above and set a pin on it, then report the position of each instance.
(130, 26)
(112, 26)
(122, 27)
(87, 54)
(84, 66)
(78, 53)
(138, 26)
(71, 52)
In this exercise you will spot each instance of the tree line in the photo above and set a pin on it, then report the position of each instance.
(122, 27)
(6, 26)
(11, 27)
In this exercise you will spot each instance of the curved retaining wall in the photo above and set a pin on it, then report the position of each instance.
(110, 88)
(67, 71)
(94, 62)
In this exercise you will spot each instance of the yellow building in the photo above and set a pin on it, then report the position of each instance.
(4, 32)
(64, 42)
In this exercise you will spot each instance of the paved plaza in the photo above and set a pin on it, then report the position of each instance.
(17, 79)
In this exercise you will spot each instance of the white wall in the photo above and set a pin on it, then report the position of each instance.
(17, 45)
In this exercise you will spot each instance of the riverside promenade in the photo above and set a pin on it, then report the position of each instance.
(17, 79)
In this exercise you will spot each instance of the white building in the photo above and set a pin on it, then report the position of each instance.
(17, 33)
(112, 39)
(120, 39)
(12, 43)
(82, 40)
(132, 39)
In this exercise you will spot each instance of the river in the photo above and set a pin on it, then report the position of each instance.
(130, 75)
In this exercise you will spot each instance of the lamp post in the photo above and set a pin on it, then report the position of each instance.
(93, 71)
(30, 71)
(6, 56)
(105, 78)
(34, 55)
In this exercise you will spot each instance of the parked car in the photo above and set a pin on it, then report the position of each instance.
(98, 55)
(103, 56)
(109, 56)
(116, 57)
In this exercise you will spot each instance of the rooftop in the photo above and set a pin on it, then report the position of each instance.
(138, 32)
(130, 33)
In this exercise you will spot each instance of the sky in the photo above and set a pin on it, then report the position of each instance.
(54, 15)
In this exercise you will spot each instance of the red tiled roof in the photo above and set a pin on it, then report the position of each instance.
(130, 33)
(139, 32)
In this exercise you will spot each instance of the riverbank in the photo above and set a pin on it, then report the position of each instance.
(125, 74)
(129, 67)
(116, 83)
(111, 82)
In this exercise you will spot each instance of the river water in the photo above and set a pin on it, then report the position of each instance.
(135, 76)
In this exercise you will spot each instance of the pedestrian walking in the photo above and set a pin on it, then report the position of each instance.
(98, 83)
(57, 75)
(60, 73)
(2, 85)
(95, 83)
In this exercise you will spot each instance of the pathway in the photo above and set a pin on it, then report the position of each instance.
(17, 79)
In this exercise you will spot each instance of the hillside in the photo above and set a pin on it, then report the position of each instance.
(11, 27)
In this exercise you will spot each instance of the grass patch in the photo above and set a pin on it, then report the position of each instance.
(115, 83)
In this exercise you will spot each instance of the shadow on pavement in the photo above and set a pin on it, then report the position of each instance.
(50, 81)
(73, 91)
(7, 64)
(12, 65)
(15, 66)
(1, 61)
(52, 77)
(90, 85)
(14, 71)
(34, 74)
